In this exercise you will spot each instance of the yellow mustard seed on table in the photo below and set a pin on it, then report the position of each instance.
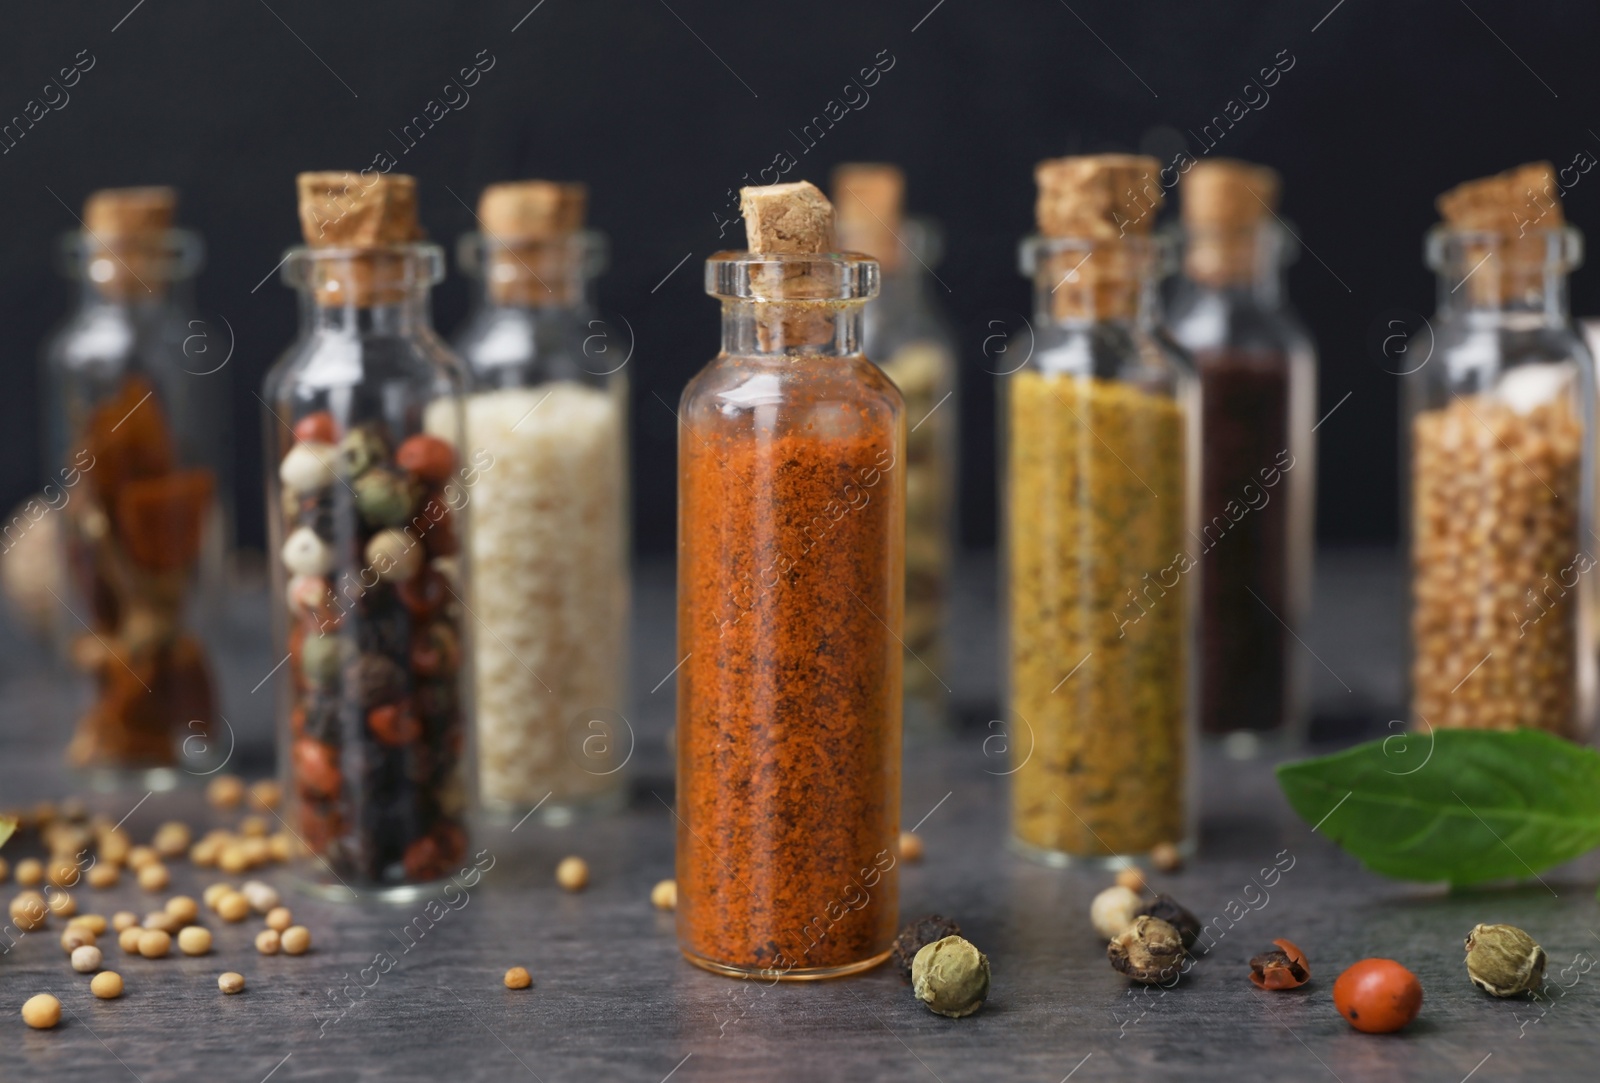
(107, 985)
(1098, 579)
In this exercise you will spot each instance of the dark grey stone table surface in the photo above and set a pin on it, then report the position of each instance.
(612, 1000)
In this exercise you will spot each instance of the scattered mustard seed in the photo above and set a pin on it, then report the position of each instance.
(128, 939)
(154, 877)
(87, 959)
(95, 923)
(213, 893)
(233, 907)
(28, 911)
(103, 875)
(295, 940)
(231, 982)
(518, 978)
(75, 937)
(41, 1012)
(183, 908)
(910, 847)
(664, 896)
(30, 872)
(266, 794)
(262, 896)
(194, 940)
(124, 919)
(1165, 856)
(279, 918)
(573, 873)
(171, 839)
(140, 856)
(1132, 879)
(154, 943)
(107, 985)
(268, 941)
(160, 919)
(225, 792)
(62, 905)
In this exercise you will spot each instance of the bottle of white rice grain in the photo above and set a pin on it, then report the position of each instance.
(548, 539)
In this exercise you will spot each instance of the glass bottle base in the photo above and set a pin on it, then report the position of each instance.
(118, 779)
(1060, 859)
(555, 812)
(815, 973)
(383, 893)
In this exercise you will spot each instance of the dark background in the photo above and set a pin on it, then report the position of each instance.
(1387, 104)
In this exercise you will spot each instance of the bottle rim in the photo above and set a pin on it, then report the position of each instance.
(792, 276)
(589, 248)
(1444, 245)
(414, 265)
(172, 254)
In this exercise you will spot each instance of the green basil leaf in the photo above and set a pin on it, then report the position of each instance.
(1457, 805)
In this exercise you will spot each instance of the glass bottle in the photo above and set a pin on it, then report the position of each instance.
(1499, 428)
(367, 499)
(913, 344)
(790, 525)
(137, 441)
(1099, 475)
(1258, 386)
(550, 526)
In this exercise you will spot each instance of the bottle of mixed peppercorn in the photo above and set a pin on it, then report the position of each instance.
(791, 519)
(1258, 390)
(367, 496)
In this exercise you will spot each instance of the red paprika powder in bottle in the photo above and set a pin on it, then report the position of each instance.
(791, 522)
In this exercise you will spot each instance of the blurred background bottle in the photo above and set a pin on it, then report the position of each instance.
(140, 452)
(1258, 389)
(907, 336)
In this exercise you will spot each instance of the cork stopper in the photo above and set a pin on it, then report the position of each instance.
(116, 213)
(1107, 201)
(787, 220)
(868, 198)
(1512, 202)
(127, 230)
(345, 210)
(528, 227)
(1224, 204)
(532, 210)
(1515, 211)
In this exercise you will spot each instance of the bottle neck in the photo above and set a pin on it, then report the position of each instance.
(1080, 280)
(402, 315)
(1238, 264)
(138, 300)
(791, 328)
(1494, 278)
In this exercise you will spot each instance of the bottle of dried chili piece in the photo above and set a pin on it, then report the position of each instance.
(367, 496)
(1099, 470)
(1258, 389)
(791, 518)
(1499, 425)
(138, 447)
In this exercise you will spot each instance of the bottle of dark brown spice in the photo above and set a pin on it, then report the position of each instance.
(1258, 387)
(791, 520)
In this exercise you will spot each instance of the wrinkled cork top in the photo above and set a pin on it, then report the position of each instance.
(868, 198)
(1103, 199)
(1226, 194)
(1505, 202)
(787, 218)
(1098, 196)
(115, 213)
(532, 210)
(341, 209)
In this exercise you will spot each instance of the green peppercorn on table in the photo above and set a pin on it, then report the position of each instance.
(416, 991)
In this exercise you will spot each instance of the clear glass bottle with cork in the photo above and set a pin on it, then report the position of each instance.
(1258, 389)
(368, 493)
(1499, 430)
(909, 339)
(1100, 466)
(791, 513)
(550, 525)
(137, 443)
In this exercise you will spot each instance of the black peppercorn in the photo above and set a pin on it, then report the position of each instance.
(1168, 910)
(919, 933)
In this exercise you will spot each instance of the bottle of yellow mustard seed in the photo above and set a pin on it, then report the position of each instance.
(1100, 473)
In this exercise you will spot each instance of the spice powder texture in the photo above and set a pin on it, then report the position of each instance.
(1096, 515)
(790, 579)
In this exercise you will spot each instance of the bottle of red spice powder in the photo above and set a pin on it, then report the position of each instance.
(791, 522)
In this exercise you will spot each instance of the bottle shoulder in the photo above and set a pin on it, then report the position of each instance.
(323, 359)
(844, 392)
